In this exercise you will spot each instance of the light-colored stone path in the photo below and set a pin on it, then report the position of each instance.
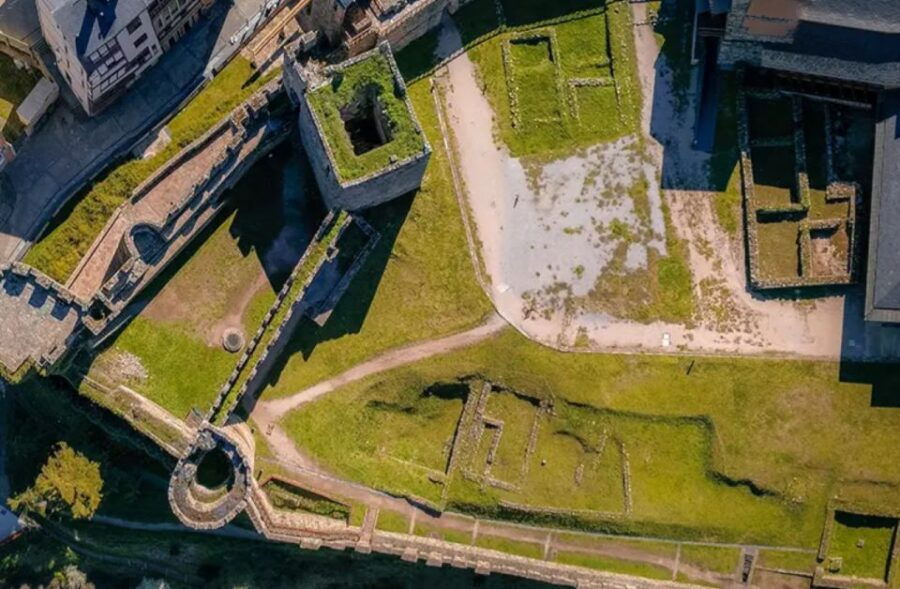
(731, 320)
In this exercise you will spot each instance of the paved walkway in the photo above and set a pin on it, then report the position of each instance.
(68, 149)
(34, 321)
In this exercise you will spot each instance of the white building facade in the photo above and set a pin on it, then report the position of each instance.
(103, 46)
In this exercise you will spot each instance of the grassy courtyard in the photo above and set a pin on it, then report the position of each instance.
(863, 543)
(172, 352)
(754, 447)
(558, 75)
(800, 232)
(72, 232)
(15, 84)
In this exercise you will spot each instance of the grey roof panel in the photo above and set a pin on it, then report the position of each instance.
(874, 15)
(19, 20)
(88, 24)
(883, 289)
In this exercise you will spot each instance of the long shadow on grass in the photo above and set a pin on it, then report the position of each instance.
(350, 314)
(275, 215)
(277, 212)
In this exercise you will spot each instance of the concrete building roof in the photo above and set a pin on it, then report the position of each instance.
(840, 52)
(35, 105)
(883, 284)
(19, 21)
(853, 40)
(871, 15)
(88, 24)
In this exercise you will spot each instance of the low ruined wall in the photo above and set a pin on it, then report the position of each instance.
(414, 22)
(227, 400)
(313, 532)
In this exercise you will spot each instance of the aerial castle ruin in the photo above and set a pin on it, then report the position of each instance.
(358, 128)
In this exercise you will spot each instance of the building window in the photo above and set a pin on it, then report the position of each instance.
(140, 40)
(142, 57)
(134, 25)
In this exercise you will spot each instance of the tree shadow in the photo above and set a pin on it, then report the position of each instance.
(528, 12)
(350, 313)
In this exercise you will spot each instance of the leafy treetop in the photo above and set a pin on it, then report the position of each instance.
(69, 484)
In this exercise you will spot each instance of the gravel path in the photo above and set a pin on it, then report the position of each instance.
(537, 252)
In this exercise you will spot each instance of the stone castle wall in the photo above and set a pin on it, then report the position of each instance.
(382, 185)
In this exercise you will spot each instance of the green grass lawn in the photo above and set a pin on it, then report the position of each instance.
(221, 274)
(373, 74)
(527, 549)
(779, 250)
(72, 232)
(864, 543)
(717, 559)
(391, 521)
(614, 565)
(429, 531)
(649, 547)
(792, 428)
(15, 84)
(538, 111)
(420, 266)
(789, 561)
(184, 372)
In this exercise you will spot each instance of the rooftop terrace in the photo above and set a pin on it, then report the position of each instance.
(36, 320)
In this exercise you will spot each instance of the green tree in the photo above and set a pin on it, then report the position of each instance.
(69, 484)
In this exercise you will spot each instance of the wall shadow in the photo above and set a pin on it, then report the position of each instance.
(693, 112)
(350, 313)
(277, 211)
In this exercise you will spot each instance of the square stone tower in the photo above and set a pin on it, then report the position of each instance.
(359, 129)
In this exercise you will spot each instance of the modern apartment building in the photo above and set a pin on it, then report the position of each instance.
(103, 46)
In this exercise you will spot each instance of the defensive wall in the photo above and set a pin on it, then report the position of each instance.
(41, 320)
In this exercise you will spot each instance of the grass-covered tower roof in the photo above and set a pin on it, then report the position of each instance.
(364, 116)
